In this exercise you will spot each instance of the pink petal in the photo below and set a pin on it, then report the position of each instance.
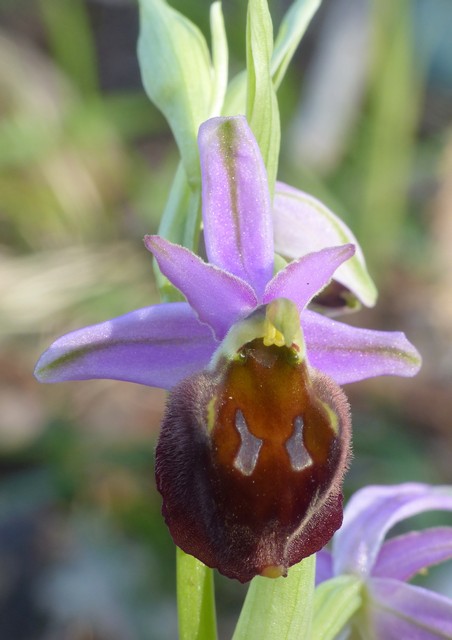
(323, 566)
(399, 611)
(304, 278)
(218, 297)
(349, 354)
(372, 512)
(157, 346)
(235, 201)
(404, 556)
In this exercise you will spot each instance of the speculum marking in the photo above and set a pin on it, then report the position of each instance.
(298, 454)
(250, 446)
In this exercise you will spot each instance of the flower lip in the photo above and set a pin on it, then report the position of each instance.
(265, 428)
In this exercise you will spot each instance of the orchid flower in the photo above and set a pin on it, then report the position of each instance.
(391, 608)
(255, 438)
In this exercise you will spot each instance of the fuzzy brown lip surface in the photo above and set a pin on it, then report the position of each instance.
(248, 492)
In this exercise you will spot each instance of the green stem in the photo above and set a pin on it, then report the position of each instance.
(336, 601)
(279, 609)
(193, 222)
(195, 599)
(172, 227)
(173, 219)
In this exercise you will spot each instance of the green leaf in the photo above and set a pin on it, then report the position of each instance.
(177, 75)
(292, 29)
(261, 103)
(281, 608)
(335, 602)
(219, 57)
(235, 99)
(195, 599)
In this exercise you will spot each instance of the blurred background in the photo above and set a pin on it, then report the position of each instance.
(85, 167)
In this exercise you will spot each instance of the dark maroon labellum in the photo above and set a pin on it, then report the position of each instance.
(250, 462)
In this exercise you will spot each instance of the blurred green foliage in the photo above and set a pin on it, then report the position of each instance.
(85, 169)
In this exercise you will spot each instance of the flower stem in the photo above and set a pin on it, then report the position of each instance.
(195, 599)
(281, 608)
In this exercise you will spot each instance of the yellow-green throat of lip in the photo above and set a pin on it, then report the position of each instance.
(277, 323)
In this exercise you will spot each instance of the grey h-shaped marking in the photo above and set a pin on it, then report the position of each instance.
(298, 454)
(246, 458)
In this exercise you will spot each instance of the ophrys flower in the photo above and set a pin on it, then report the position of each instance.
(256, 435)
